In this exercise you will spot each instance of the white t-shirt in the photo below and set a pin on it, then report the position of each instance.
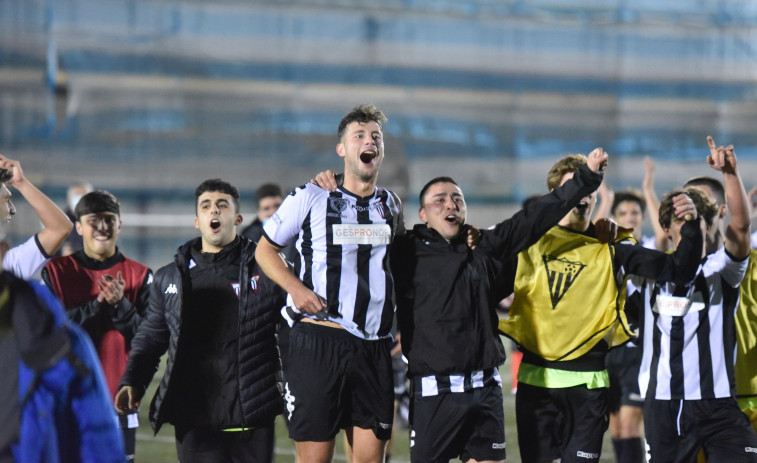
(26, 259)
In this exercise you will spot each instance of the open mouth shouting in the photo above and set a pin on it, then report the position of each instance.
(368, 157)
(582, 207)
(452, 218)
(215, 224)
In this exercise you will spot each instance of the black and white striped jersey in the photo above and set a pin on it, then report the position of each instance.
(688, 333)
(344, 242)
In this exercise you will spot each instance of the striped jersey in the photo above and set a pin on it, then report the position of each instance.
(432, 385)
(344, 243)
(688, 333)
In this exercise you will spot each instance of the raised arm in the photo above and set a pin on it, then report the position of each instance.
(661, 241)
(606, 197)
(56, 224)
(528, 225)
(737, 234)
(679, 267)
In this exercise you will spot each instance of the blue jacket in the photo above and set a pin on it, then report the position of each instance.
(66, 414)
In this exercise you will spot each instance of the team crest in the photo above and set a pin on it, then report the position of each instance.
(338, 205)
(253, 285)
(561, 274)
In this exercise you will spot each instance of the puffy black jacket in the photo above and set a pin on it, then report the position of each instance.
(447, 293)
(259, 375)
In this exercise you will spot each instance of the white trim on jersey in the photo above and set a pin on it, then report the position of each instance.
(26, 259)
(687, 334)
(437, 384)
(343, 242)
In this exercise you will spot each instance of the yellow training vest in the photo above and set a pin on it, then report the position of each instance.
(566, 297)
(746, 332)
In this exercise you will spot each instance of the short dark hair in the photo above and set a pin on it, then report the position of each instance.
(96, 202)
(267, 190)
(5, 175)
(628, 196)
(216, 184)
(433, 182)
(715, 185)
(362, 113)
(705, 208)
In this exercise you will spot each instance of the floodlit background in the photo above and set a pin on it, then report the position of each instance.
(149, 98)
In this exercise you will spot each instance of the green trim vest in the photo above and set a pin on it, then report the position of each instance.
(566, 297)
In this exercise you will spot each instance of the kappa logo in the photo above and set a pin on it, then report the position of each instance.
(289, 397)
(561, 274)
(172, 289)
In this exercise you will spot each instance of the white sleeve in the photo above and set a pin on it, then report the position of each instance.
(26, 259)
(733, 270)
(285, 224)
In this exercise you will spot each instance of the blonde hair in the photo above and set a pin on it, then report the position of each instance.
(569, 163)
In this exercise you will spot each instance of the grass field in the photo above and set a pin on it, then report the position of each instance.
(161, 449)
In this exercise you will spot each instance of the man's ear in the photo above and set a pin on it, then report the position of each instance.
(722, 210)
(77, 224)
(340, 149)
(238, 219)
(422, 215)
(197, 222)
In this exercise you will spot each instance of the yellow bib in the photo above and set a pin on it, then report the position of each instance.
(746, 331)
(566, 297)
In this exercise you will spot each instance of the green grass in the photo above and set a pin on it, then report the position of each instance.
(161, 448)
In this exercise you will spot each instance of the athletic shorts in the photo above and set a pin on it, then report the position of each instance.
(467, 425)
(335, 380)
(564, 423)
(203, 445)
(751, 413)
(623, 368)
(676, 429)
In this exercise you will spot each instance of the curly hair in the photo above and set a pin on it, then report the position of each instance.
(362, 113)
(705, 208)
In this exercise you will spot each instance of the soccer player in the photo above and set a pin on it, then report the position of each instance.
(565, 316)
(26, 259)
(625, 400)
(215, 313)
(340, 307)
(688, 335)
(103, 291)
(446, 299)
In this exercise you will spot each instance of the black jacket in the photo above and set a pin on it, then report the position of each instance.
(259, 375)
(447, 293)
